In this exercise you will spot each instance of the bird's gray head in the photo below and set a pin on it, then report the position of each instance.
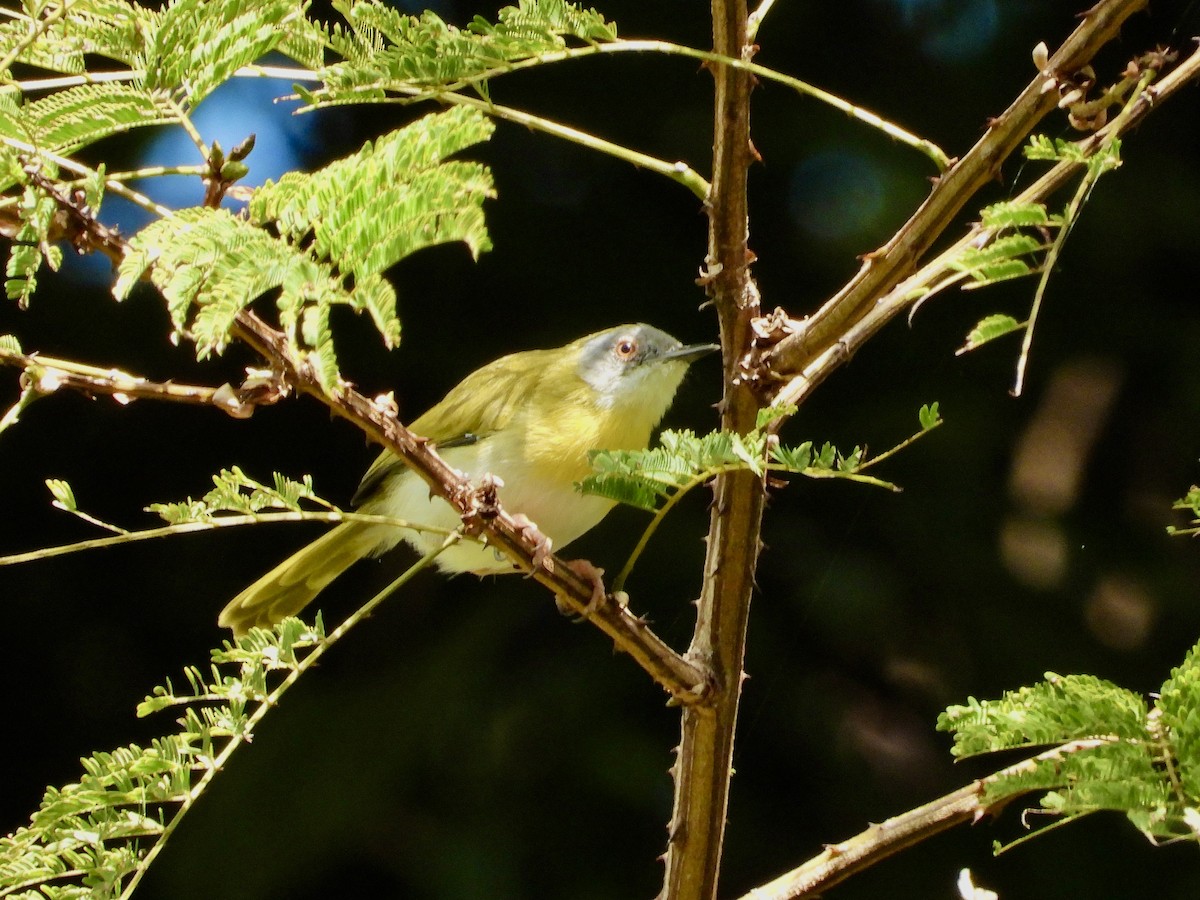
(636, 364)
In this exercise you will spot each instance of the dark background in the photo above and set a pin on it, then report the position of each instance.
(470, 742)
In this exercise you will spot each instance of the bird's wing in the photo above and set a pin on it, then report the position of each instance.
(481, 404)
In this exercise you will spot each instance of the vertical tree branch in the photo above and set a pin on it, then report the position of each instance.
(704, 764)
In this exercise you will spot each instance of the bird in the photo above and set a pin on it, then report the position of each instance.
(528, 420)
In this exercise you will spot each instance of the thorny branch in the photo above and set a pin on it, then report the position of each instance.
(802, 352)
(575, 585)
(820, 336)
(780, 329)
(704, 763)
(806, 351)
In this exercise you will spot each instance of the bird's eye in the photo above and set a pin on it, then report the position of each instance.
(626, 348)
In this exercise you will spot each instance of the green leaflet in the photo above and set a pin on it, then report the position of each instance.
(1179, 706)
(72, 118)
(1054, 711)
(385, 50)
(392, 197)
(999, 260)
(201, 43)
(320, 239)
(107, 28)
(30, 248)
(236, 493)
(644, 478)
(1190, 502)
(988, 329)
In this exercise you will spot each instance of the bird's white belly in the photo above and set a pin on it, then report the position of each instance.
(559, 511)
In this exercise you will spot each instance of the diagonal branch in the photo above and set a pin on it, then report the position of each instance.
(839, 861)
(578, 589)
(938, 274)
(684, 680)
(882, 269)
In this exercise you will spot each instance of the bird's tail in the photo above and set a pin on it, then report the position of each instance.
(292, 584)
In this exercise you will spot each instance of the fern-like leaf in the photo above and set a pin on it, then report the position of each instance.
(214, 262)
(384, 50)
(89, 839)
(113, 29)
(235, 493)
(1117, 753)
(998, 261)
(199, 44)
(320, 239)
(31, 247)
(988, 329)
(77, 116)
(645, 478)
(391, 198)
(1178, 704)
(1059, 709)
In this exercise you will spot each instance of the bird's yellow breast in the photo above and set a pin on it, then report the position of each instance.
(557, 444)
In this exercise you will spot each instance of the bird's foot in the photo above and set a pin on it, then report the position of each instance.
(543, 547)
(595, 577)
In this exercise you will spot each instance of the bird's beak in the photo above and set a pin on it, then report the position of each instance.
(690, 352)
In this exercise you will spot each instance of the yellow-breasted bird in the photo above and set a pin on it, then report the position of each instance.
(528, 418)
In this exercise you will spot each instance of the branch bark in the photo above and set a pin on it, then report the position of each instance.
(704, 763)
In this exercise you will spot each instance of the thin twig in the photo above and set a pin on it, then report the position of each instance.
(36, 30)
(189, 127)
(225, 521)
(45, 375)
(449, 92)
(937, 274)
(904, 444)
(755, 19)
(708, 475)
(1090, 176)
(677, 171)
(71, 166)
(13, 414)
